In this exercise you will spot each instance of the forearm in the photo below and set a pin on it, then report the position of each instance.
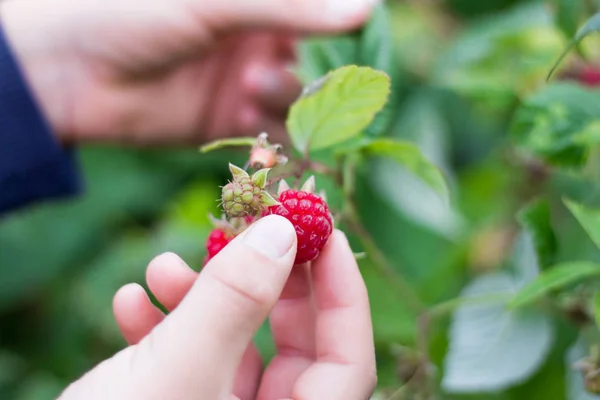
(33, 165)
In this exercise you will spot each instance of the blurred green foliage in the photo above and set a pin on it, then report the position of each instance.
(469, 91)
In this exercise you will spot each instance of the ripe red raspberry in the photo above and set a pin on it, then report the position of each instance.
(311, 218)
(216, 241)
(590, 76)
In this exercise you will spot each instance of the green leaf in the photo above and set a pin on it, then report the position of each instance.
(535, 217)
(376, 42)
(483, 60)
(318, 56)
(592, 25)
(555, 278)
(313, 63)
(339, 51)
(588, 218)
(567, 15)
(338, 109)
(390, 324)
(409, 156)
(578, 188)
(377, 50)
(419, 121)
(597, 308)
(559, 124)
(222, 143)
(491, 348)
(40, 385)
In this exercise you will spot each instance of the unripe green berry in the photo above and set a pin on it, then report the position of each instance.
(241, 197)
(245, 195)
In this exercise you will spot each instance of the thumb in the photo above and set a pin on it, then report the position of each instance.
(196, 350)
(299, 15)
(201, 343)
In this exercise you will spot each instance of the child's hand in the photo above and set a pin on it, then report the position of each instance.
(203, 349)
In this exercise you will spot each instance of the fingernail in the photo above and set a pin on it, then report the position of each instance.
(349, 8)
(169, 257)
(272, 236)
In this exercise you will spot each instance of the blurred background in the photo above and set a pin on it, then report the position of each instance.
(460, 70)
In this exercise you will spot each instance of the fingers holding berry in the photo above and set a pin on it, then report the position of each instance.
(246, 198)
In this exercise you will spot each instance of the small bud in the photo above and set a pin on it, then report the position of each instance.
(283, 186)
(266, 155)
(262, 158)
(310, 185)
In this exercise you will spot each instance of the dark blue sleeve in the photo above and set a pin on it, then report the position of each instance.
(33, 166)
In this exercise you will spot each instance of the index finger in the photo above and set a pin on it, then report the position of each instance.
(345, 367)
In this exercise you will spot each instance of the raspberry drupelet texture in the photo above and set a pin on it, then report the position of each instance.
(311, 218)
(217, 240)
(241, 197)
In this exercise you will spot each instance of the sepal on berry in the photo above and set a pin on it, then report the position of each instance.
(267, 200)
(322, 195)
(217, 222)
(283, 186)
(237, 172)
(259, 178)
(222, 224)
(310, 185)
